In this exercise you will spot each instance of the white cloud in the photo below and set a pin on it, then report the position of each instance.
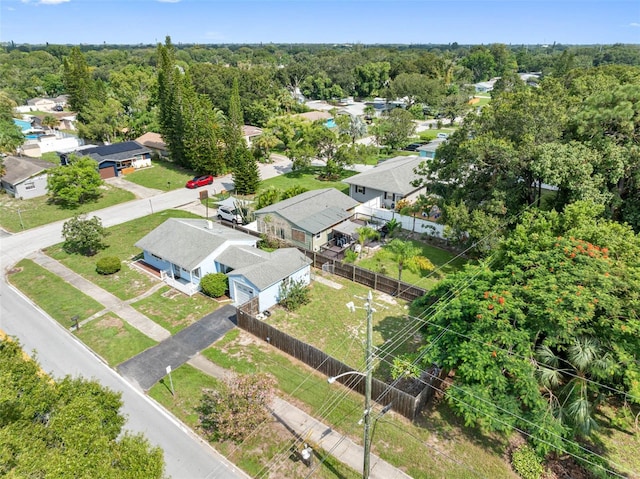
(634, 24)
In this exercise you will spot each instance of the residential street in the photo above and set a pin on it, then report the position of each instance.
(60, 353)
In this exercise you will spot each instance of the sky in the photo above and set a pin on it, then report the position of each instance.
(135, 22)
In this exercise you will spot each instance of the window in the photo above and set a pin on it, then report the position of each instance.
(297, 235)
(155, 257)
(29, 185)
(386, 196)
(360, 189)
(196, 273)
(281, 233)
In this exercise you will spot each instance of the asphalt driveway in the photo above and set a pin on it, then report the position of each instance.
(148, 367)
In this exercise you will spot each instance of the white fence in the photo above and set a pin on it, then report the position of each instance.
(410, 223)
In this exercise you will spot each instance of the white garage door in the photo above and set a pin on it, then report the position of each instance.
(243, 293)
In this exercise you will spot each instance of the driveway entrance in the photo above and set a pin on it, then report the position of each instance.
(148, 367)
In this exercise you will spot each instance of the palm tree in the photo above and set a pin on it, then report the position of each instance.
(405, 253)
(366, 233)
(50, 121)
(571, 394)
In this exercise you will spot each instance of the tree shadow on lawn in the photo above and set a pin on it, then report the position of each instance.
(438, 417)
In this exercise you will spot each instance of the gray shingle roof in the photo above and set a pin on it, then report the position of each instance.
(20, 169)
(313, 211)
(187, 242)
(393, 175)
(263, 269)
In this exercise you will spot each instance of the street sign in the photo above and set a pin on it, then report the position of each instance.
(204, 194)
(168, 369)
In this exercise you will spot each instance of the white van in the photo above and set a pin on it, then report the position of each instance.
(443, 135)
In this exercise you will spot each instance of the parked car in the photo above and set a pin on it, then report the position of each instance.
(199, 181)
(414, 146)
(58, 108)
(230, 214)
(443, 135)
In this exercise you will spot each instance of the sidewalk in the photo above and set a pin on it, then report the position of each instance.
(296, 420)
(305, 426)
(111, 302)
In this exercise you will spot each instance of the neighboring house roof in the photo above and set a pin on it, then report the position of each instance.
(394, 175)
(188, 242)
(39, 100)
(20, 169)
(152, 140)
(313, 211)
(315, 115)
(249, 131)
(261, 268)
(114, 152)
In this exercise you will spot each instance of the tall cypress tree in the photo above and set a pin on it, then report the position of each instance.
(246, 174)
(170, 102)
(234, 140)
(77, 79)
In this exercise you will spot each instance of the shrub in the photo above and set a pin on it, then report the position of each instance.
(108, 265)
(214, 284)
(236, 409)
(293, 294)
(350, 256)
(526, 462)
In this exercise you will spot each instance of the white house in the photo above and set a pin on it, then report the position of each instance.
(185, 250)
(25, 177)
(391, 181)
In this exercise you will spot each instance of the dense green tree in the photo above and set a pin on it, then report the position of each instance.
(417, 89)
(246, 174)
(395, 128)
(233, 138)
(371, 78)
(83, 236)
(102, 121)
(263, 144)
(74, 184)
(78, 82)
(169, 99)
(556, 307)
(68, 428)
(481, 63)
(11, 136)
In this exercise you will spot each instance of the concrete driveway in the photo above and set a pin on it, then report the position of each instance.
(148, 367)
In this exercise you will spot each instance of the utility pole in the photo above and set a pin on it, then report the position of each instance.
(367, 390)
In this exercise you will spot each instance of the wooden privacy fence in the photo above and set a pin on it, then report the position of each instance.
(379, 282)
(401, 402)
(376, 281)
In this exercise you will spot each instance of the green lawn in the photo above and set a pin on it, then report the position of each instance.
(306, 178)
(257, 452)
(128, 283)
(382, 262)
(431, 134)
(163, 175)
(14, 214)
(413, 447)
(54, 295)
(113, 339)
(326, 323)
(174, 310)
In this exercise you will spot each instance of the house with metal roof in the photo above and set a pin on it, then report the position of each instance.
(306, 220)
(391, 181)
(25, 177)
(185, 250)
(112, 160)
